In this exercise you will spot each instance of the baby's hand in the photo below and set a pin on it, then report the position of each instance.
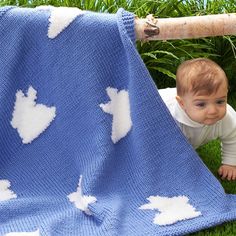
(227, 172)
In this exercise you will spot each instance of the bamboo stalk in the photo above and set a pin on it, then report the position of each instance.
(152, 28)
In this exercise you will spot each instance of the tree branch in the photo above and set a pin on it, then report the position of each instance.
(190, 27)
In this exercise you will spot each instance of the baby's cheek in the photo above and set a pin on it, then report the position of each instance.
(223, 113)
(197, 116)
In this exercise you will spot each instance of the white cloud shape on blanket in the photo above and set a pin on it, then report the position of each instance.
(119, 107)
(30, 119)
(35, 233)
(171, 209)
(81, 201)
(5, 192)
(60, 19)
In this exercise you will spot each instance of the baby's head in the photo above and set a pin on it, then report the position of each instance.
(202, 88)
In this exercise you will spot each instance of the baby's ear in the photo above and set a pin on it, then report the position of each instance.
(180, 101)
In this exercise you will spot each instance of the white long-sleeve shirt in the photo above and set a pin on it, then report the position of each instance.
(199, 134)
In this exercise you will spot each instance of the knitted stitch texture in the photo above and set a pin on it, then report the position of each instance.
(85, 137)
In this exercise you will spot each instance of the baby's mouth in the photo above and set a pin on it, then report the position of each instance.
(212, 118)
(211, 121)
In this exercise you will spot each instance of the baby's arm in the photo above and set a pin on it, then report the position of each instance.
(227, 172)
(228, 148)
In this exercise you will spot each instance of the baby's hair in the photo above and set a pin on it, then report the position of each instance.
(199, 76)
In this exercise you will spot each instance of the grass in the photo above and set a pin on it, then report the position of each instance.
(210, 154)
(162, 58)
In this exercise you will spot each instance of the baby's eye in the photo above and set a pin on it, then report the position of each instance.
(220, 102)
(201, 104)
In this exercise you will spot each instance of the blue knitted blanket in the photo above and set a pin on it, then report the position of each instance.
(87, 146)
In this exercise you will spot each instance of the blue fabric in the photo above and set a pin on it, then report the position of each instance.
(72, 72)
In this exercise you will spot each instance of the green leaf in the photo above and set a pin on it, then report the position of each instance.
(164, 71)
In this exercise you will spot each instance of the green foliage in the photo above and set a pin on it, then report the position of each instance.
(163, 57)
(162, 66)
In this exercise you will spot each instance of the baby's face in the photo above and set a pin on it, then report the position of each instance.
(205, 109)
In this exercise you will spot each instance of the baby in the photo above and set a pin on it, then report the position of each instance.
(199, 106)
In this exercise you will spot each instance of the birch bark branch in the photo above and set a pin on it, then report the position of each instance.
(152, 28)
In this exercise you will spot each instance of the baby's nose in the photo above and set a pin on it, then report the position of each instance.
(212, 109)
